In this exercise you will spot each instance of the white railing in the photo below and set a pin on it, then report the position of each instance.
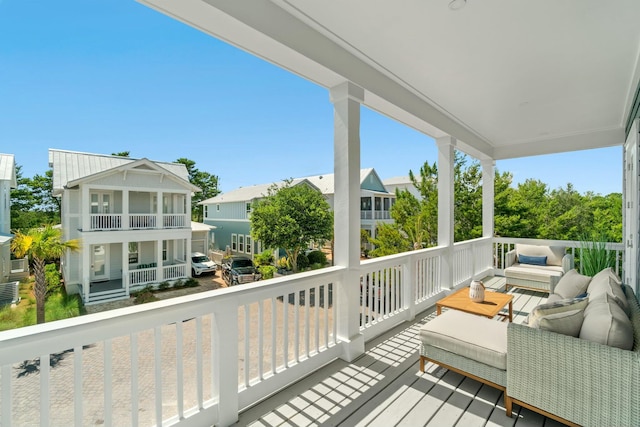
(383, 215)
(106, 221)
(171, 361)
(174, 220)
(174, 271)
(502, 245)
(142, 276)
(471, 258)
(201, 358)
(142, 221)
(366, 215)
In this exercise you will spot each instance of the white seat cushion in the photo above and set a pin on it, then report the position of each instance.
(474, 337)
(533, 272)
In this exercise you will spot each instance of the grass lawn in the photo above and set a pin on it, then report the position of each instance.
(59, 306)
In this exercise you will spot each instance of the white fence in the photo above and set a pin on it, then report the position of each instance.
(175, 271)
(200, 359)
(174, 220)
(142, 276)
(106, 221)
(142, 221)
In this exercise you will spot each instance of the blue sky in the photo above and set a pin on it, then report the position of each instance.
(112, 75)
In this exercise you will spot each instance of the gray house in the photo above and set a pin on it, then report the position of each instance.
(230, 212)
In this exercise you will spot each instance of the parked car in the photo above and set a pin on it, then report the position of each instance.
(200, 263)
(238, 270)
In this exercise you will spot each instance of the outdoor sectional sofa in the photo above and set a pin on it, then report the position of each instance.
(590, 379)
(536, 267)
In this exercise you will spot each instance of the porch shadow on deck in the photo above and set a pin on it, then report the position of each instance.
(384, 387)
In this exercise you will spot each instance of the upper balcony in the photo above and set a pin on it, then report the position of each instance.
(211, 357)
(129, 210)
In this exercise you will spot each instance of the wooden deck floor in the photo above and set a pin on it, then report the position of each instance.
(384, 387)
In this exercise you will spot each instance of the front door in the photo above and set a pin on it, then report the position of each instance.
(631, 194)
(99, 263)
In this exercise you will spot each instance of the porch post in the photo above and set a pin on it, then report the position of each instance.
(125, 210)
(85, 208)
(346, 99)
(446, 156)
(159, 266)
(488, 194)
(86, 271)
(125, 267)
(159, 210)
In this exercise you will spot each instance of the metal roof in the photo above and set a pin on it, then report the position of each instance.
(8, 169)
(72, 165)
(325, 183)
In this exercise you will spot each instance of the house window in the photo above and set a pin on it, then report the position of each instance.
(365, 203)
(386, 203)
(241, 243)
(133, 252)
(234, 242)
(248, 209)
(218, 207)
(378, 204)
(164, 250)
(248, 247)
(206, 211)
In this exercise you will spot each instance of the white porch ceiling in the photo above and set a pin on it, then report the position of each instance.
(507, 78)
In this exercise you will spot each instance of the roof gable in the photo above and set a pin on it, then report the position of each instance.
(72, 168)
(248, 194)
(369, 180)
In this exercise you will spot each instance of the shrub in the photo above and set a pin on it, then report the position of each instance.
(268, 271)
(283, 263)
(52, 276)
(317, 257)
(303, 261)
(164, 285)
(317, 266)
(178, 284)
(191, 283)
(264, 258)
(144, 296)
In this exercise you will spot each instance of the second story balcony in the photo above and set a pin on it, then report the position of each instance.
(129, 210)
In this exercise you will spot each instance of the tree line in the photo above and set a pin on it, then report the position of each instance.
(529, 210)
(33, 204)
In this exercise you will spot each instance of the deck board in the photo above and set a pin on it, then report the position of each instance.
(384, 387)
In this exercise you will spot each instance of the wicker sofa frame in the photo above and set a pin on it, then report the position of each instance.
(585, 383)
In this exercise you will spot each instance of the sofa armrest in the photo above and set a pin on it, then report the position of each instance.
(568, 263)
(510, 258)
(584, 382)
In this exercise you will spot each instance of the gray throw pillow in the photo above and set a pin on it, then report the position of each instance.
(563, 317)
(572, 284)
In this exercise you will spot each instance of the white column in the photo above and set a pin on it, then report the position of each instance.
(446, 156)
(488, 194)
(85, 208)
(159, 209)
(125, 266)
(346, 99)
(86, 271)
(125, 210)
(159, 268)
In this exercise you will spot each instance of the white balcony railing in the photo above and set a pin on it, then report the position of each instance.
(202, 358)
(106, 221)
(174, 220)
(375, 215)
(141, 221)
(142, 276)
(175, 271)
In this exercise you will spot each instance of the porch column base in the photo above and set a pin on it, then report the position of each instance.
(352, 348)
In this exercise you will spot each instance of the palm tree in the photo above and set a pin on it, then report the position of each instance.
(41, 245)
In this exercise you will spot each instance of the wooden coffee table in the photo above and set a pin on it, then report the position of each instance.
(490, 307)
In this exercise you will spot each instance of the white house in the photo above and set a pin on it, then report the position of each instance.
(7, 182)
(132, 217)
(230, 212)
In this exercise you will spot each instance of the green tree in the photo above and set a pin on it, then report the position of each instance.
(290, 217)
(32, 201)
(207, 182)
(121, 154)
(41, 245)
(389, 240)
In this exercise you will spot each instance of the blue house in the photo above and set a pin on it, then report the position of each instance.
(230, 212)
